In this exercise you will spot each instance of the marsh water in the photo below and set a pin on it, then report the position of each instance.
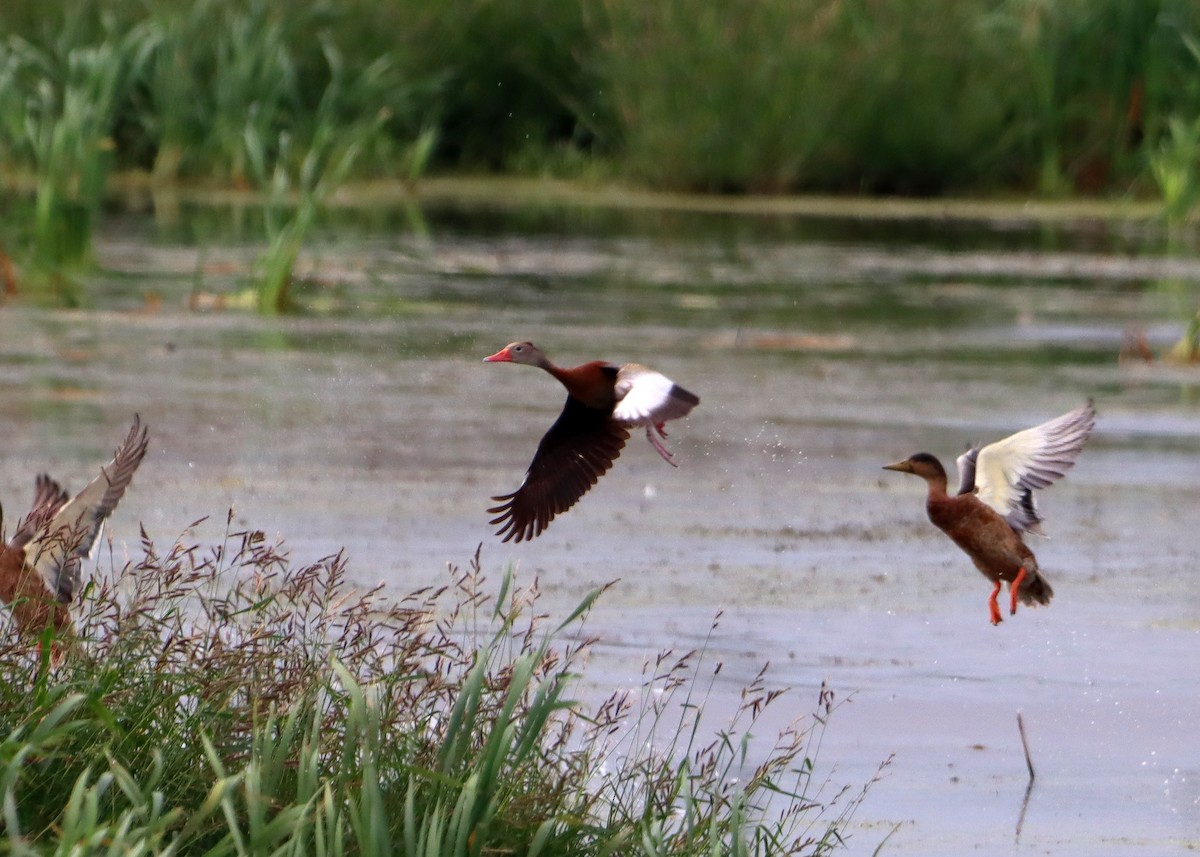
(822, 348)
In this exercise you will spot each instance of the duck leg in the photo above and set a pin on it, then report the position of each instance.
(658, 444)
(1013, 589)
(993, 606)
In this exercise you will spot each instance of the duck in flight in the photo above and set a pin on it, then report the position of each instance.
(604, 401)
(995, 505)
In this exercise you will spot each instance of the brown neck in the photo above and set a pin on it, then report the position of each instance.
(563, 375)
(587, 383)
(937, 487)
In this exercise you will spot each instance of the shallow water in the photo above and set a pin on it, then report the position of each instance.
(822, 348)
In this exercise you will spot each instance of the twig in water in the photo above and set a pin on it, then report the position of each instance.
(1032, 775)
(1025, 745)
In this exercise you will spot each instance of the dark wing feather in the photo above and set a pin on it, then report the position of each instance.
(578, 449)
(966, 470)
(48, 500)
(58, 551)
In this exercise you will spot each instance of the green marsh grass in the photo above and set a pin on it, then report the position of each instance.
(193, 90)
(904, 97)
(1175, 167)
(1187, 348)
(229, 702)
(254, 86)
(914, 96)
(1105, 77)
(211, 73)
(61, 106)
(741, 95)
(1175, 163)
(722, 96)
(298, 182)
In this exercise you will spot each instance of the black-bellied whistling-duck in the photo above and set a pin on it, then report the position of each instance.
(40, 565)
(994, 504)
(603, 402)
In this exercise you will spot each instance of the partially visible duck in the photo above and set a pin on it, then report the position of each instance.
(994, 504)
(603, 402)
(40, 565)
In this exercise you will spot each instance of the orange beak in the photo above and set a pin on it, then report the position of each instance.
(501, 356)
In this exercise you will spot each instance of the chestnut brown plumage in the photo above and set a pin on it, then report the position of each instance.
(994, 504)
(603, 402)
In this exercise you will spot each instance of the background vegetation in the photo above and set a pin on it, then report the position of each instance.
(894, 96)
(924, 97)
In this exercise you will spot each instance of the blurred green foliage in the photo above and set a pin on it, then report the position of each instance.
(877, 96)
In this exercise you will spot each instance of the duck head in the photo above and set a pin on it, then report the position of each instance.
(518, 352)
(921, 464)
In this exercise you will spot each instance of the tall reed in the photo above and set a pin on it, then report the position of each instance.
(298, 181)
(177, 101)
(61, 108)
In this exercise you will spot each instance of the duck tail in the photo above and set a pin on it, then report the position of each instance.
(1035, 590)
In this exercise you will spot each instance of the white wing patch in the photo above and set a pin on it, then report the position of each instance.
(1008, 471)
(648, 398)
(643, 397)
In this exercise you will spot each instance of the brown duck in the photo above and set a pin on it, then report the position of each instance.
(40, 565)
(603, 402)
(995, 505)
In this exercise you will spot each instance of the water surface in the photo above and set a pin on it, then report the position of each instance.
(822, 348)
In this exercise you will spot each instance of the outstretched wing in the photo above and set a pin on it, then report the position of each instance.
(1008, 471)
(66, 539)
(577, 450)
